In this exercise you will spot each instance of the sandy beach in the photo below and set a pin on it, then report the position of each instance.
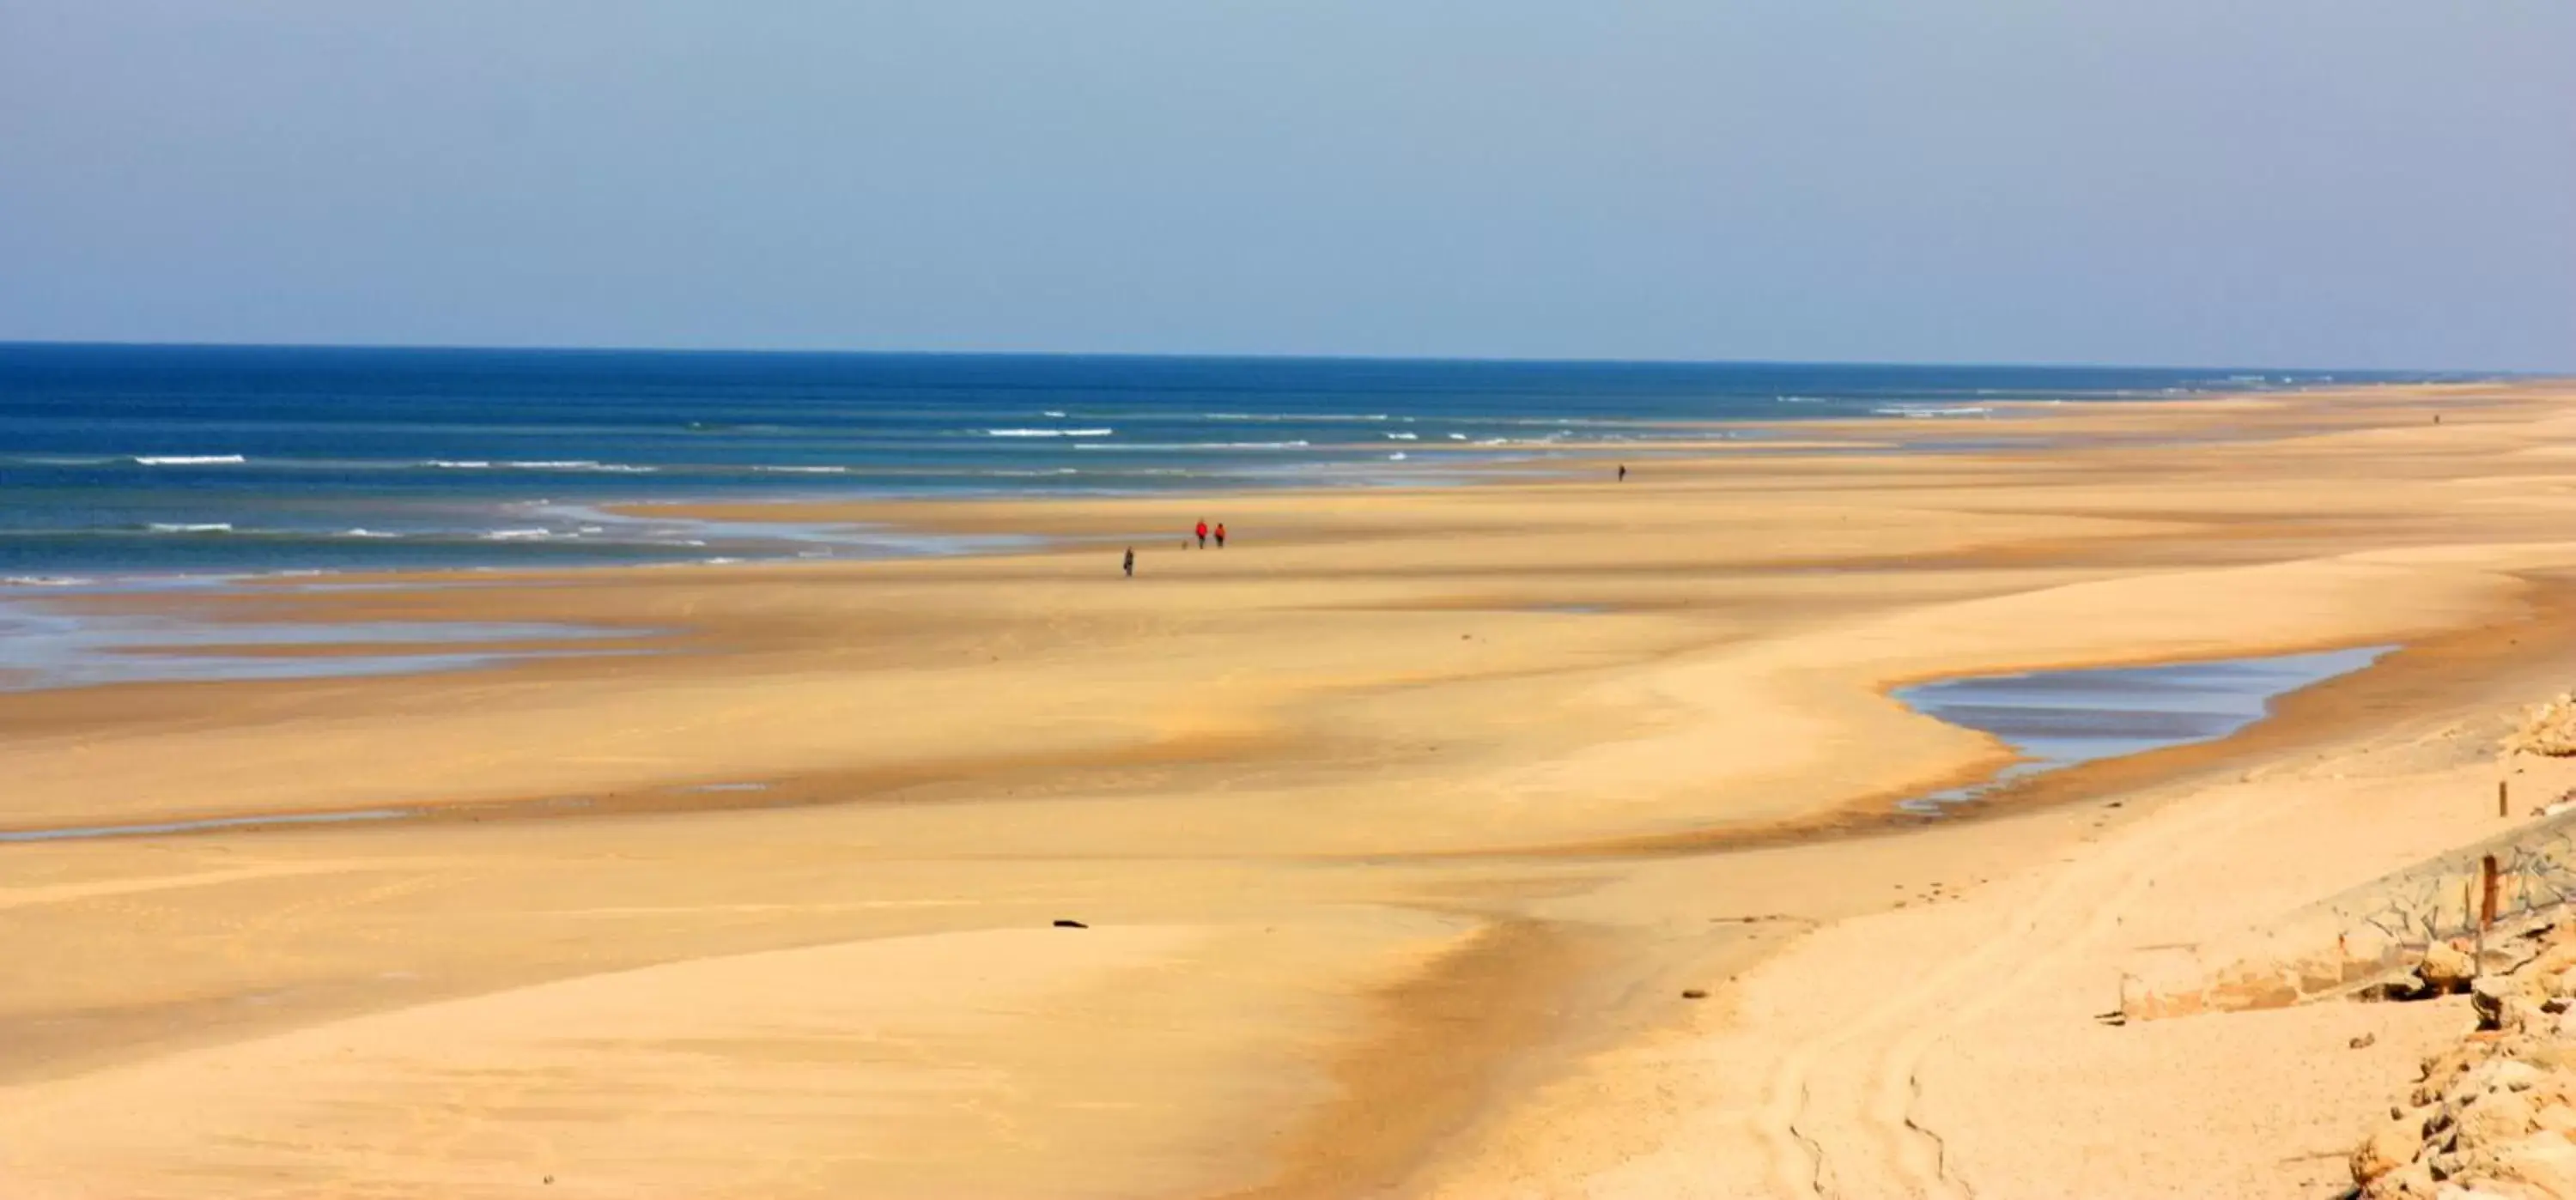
(1395, 830)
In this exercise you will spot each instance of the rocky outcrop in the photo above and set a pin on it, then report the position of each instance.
(2548, 729)
(2494, 1116)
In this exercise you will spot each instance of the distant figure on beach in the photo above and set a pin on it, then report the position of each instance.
(1623, 472)
(1220, 535)
(1202, 535)
(1130, 564)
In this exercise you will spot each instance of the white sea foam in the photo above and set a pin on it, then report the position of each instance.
(460, 464)
(190, 527)
(578, 464)
(518, 535)
(1191, 445)
(45, 581)
(1398, 456)
(1236, 416)
(1049, 432)
(1404, 437)
(367, 533)
(186, 460)
(1457, 437)
(1923, 412)
(805, 470)
(1052, 413)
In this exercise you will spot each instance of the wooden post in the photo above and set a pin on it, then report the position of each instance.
(2478, 929)
(2487, 892)
(2502, 809)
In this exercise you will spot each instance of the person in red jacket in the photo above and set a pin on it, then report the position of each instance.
(1202, 535)
(1220, 535)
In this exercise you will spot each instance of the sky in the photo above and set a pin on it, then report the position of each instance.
(2295, 183)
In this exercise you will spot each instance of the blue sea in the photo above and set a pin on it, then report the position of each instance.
(123, 463)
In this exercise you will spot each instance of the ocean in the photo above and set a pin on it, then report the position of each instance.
(139, 463)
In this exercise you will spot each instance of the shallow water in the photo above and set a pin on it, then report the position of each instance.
(2058, 719)
(159, 460)
(151, 828)
(46, 646)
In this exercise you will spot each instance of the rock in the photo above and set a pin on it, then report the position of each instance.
(2498, 1075)
(2547, 728)
(2389, 1147)
(2477, 1193)
(2510, 955)
(2414, 1181)
(2497, 1117)
(2440, 1065)
(2514, 1073)
(2446, 968)
(1694, 994)
(1069, 923)
(2554, 1087)
(2364, 1042)
(2545, 1163)
(2487, 998)
(2556, 1118)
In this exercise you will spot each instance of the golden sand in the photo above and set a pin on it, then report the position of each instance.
(1397, 827)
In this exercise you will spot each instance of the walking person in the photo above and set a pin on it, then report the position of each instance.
(1130, 564)
(1623, 472)
(1220, 535)
(1202, 535)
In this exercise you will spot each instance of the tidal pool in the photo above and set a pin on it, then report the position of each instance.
(45, 646)
(2057, 719)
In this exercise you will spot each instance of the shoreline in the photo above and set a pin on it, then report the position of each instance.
(1301, 738)
(1882, 432)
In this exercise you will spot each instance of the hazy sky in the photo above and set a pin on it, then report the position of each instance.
(2327, 183)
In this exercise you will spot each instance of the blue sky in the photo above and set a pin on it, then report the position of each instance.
(2332, 183)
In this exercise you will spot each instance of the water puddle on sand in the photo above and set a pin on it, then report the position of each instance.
(151, 828)
(285, 820)
(45, 646)
(2058, 719)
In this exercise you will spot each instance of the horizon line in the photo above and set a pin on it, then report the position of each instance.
(1272, 356)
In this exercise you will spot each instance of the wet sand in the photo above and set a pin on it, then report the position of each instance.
(1397, 827)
